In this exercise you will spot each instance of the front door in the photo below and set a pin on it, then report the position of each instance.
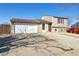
(49, 27)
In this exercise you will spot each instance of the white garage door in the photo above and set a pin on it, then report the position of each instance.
(26, 28)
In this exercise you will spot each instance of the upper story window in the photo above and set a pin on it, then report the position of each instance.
(60, 21)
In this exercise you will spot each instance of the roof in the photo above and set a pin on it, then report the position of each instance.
(17, 20)
(43, 21)
(57, 17)
(76, 25)
(60, 17)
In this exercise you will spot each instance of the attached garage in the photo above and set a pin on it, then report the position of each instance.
(28, 26)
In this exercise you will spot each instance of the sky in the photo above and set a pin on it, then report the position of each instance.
(37, 10)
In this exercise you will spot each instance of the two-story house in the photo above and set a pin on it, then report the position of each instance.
(59, 24)
(46, 24)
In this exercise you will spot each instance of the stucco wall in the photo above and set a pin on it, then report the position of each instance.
(59, 29)
(46, 27)
(48, 18)
(55, 21)
(55, 24)
(12, 28)
(40, 28)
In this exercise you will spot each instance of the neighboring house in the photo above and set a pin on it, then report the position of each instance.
(59, 24)
(74, 28)
(30, 26)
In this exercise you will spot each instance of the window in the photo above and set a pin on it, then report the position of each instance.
(55, 29)
(43, 26)
(60, 20)
(61, 30)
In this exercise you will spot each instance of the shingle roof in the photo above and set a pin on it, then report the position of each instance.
(60, 17)
(17, 20)
(76, 25)
(43, 21)
(57, 17)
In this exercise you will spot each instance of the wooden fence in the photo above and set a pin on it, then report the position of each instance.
(5, 29)
(73, 30)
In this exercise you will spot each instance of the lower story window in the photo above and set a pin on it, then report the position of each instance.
(61, 30)
(55, 29)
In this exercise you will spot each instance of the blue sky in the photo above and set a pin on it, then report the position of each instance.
(35, 10)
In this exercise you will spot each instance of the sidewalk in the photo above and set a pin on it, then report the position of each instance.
(71, 34)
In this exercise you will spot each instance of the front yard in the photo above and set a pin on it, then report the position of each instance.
(42, 44)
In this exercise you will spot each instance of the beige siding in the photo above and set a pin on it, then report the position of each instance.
(55, 24)
(40, 28)
(48, 18)
(66, 23)
(55, 21)
(58, 29)
(12, 28)
(46, 27)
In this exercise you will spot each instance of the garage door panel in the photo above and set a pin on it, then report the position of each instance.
(26, 28)
(31, 29)
(19, 29)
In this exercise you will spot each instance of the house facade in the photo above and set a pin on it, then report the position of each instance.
(46, 24)
(59, 24)
(29, 26)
